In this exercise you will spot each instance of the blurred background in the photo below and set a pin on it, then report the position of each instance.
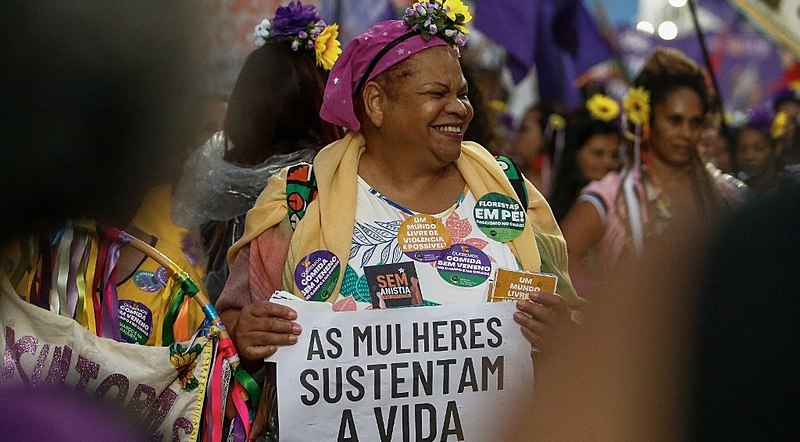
(525, 51)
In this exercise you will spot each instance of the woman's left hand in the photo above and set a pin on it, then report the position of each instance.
(542, 317)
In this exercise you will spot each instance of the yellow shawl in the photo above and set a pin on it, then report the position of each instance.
(328, 221)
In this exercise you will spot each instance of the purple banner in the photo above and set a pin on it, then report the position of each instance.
(748, 67)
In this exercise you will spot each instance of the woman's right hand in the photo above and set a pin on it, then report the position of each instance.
(262, 326)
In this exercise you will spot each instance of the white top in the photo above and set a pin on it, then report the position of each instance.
(461, 273)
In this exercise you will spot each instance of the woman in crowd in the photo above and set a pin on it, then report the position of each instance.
(758, 154)
(787, 100)
(272, 121)
(713, 145)
(403, 98)
(669, 185)
(532, 145)
(591, 150)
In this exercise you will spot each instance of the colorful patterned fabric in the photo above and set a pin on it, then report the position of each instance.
(330, 221)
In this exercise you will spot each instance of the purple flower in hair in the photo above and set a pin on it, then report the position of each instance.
(292, 19)
(760, 119)
(445, 19)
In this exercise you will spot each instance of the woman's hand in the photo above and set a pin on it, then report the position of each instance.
(262, 326)
(542, 318)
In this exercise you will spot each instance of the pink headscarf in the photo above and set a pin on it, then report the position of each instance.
(364, 50)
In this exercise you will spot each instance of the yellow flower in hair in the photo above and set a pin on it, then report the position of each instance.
(729, 119)
(637, 105)
(602, 107)
(778, 125)
(455, 7)
(498, 105)
(557, 122)
(327, 46)
(795, 86)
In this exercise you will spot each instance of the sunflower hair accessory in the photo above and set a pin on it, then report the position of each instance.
(602, 107)
(637, 105)
(304, 29)
(445, 20)
(556, 121)
(778, 127)
(795, 87)
(637, 111)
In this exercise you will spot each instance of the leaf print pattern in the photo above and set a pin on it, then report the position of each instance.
(369, 238)
(460, 228)
(349, 282)
(355, 286)
(477, 242)
(345, 304)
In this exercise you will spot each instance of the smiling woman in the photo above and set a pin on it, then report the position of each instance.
(400, 194)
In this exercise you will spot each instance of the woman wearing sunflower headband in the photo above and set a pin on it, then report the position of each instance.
(663, 184)
(272, 121)
(591, 150)
(399, 90)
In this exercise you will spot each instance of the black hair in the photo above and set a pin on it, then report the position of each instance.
(274, 106)
(569, 179)
(667, 70)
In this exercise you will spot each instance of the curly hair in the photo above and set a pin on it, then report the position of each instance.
(667, 70)
(664, 72)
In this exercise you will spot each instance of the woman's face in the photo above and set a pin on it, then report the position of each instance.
(675, 127)
(427, 106)
(528, 140)
(754, 153)
(598, 156)
(713, 148)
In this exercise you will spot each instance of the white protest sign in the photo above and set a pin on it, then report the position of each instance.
(422, 374)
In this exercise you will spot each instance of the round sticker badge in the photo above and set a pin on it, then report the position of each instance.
(135, 322)
(500, 217)
(464, 265)
(316, 275)
(149, 281)
(423, 238)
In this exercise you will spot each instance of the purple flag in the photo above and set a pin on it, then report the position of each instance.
(355, 16)
(747, 65)
(559, 37)
(721, 9)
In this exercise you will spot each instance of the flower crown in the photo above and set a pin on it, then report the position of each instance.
(602, 107)
(445, 20)
(302, 26)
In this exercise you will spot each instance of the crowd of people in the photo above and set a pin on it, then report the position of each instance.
(323, 158)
